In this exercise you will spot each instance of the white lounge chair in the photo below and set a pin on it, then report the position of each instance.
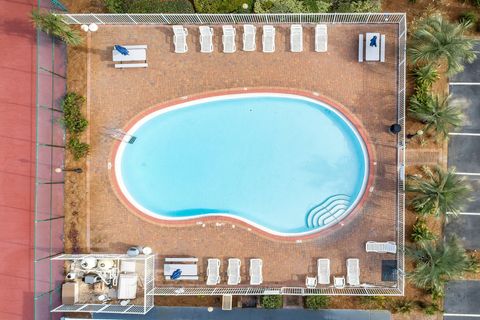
(268, 39)
(321, 38)
(323, 270)
(233, 271)
(339, 282)
(213, 272)
(311, 282)
(296, 38)
(228, 39)
(206, 39)
(256, 277)
(381, 247)
(353, 272)
(249, 37)
(180, 39)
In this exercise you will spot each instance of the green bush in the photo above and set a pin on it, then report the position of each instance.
(403, 306)
(429, 309)
(149, 6)
(116, 6)
(317, 302)
(77, 148)
(222, 6)
(468, 17)
(272, 302)
(421, 232)
(163, 6)
(317, 5)
(425, 77)
(73, 119)
(54, 25)
(356, 6)
(476, 3)
(279, 6)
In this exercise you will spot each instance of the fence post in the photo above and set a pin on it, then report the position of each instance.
(165, 18)
(130, 17)
(98, 19)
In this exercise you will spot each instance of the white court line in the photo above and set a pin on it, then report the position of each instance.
(464, 134)
(467, 173)
(461, 315)
(464, 83)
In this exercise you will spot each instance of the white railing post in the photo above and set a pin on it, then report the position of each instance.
(130, 17)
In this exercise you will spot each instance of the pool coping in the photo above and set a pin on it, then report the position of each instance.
(250, 226)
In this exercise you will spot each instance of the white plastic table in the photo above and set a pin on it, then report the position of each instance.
(372, 53)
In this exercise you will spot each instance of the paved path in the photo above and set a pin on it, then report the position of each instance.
(171, 313)
(462, 297)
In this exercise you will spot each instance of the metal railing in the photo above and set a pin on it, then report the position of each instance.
(340, 18)
(164, 18)
(401, 145)
(258, 291)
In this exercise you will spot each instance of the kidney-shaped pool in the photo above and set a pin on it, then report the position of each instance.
(286, 164)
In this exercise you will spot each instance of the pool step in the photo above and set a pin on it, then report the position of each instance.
(328, 210)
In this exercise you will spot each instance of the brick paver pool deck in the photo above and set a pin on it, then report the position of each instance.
(368, 90)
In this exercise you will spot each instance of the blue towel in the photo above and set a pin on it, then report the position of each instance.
(373, 41)
(121, 49)
(176, 274)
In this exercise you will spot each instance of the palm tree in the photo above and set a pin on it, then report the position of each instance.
(439, 192)
(436, 40)
(54, 25)
(438, 114)
(438, 262)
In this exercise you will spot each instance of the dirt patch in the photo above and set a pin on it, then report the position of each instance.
(75, 207)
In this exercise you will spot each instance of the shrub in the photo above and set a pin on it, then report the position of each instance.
(469, 17)
(438, 114)
(272, 302)
(279, 6)
(54, 25)
(439, 192)
(72, 117)
(317, 5)
(164, 6)
(356, 6)
(403, 306)
(421, 232)
(149, 6)
(222, 6)
(425, 77)
(376, 302)
(317, 302)
(77, 148)
(116, 6)
(476, 3)
(439, 262)
(429, 309)
(436, 40)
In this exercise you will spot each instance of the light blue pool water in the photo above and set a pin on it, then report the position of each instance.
(286, 164)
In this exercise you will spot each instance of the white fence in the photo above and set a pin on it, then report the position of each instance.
(333, 18)
(161, 18)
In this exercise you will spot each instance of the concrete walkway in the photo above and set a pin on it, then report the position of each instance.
(171, 313)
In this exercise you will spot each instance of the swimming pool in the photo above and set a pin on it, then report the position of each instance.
(286, 164)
